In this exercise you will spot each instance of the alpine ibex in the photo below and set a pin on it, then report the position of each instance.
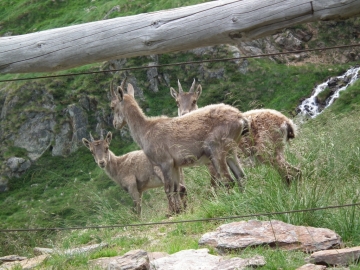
(266, 139)
(207, 134)
(132, 171)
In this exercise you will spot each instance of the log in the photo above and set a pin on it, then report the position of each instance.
(180, 29)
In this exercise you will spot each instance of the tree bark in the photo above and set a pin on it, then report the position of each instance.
(211, 23)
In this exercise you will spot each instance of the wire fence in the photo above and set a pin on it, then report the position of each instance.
(193, 220)
(183, 63)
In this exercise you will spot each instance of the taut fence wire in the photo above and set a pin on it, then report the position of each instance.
(181, 221)
(183, 63)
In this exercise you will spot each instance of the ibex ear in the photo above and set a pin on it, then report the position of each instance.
(198, 90)
(121, 93)
(86, 142)
(130, 90)
(173, 93)
(108, 137)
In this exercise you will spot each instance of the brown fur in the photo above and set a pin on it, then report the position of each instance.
(207, 134)
(132, 171)
(270, 130)
(268, 133)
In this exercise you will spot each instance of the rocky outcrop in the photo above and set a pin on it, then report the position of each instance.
(275, 234)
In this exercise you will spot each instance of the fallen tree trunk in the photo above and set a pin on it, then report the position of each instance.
(211, 23)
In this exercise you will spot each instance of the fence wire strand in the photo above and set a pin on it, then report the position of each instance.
(184, 63)
(182, 221)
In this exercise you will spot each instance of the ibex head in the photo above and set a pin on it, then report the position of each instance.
(186, 101)
(116, 105)
(99, 149)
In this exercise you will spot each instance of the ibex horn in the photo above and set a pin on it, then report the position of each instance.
(180, 88)
(101, 134)
(112, 92)
(91, 137)
(123, 83)
(192, 88)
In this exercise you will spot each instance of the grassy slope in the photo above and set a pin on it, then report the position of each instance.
(72, 191)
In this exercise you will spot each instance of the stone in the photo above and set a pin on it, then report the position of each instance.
(275, 234)
(36, 133)
(11, 258)
(157, 255)
(200, 259)
(310, 266)
(152, 76)
(24, 264)
(72, 251)
(344, 256)
(132, 260)
(103, 263)
(17, 165)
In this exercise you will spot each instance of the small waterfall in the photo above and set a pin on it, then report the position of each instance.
(311, 107)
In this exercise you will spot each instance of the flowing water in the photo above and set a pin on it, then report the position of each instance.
(311, 107)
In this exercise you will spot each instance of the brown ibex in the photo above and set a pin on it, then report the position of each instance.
(132, 171)
(207, 134)
(267, 137)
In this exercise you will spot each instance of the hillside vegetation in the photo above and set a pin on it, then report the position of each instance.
(62, 192)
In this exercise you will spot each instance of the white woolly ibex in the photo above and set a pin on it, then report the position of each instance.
(269, 132)
(132, 171)
(207, 134)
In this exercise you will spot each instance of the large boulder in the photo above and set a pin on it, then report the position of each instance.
(274, 233)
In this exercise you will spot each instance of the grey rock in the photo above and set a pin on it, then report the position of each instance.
(11, 258)
(17, 166)
(36, 134)
(26, 264)
(152, 76)
(79, 121)
(63, 140)
(115, 64)
(277, 234)
(72, 251)
(3, 184)
(201, 260)
(103, 263)
(157, 255)
(132, 260)
(344, 256)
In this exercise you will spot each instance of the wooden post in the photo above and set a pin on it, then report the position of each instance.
(211, 23)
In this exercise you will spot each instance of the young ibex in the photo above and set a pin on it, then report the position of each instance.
(269, 132)
(132, 171)
(207, 134)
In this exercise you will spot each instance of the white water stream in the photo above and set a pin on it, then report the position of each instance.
(310, 107)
